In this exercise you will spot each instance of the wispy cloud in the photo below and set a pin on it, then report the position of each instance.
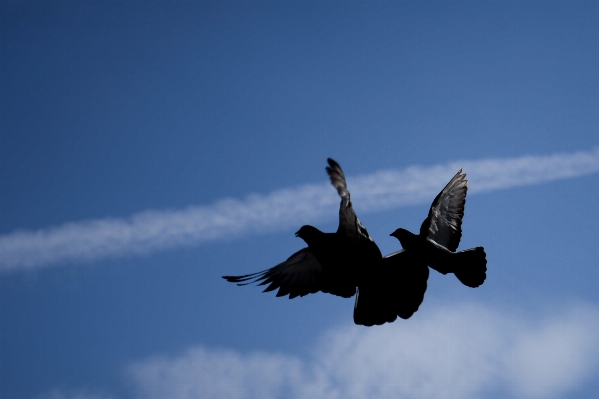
(459, 351)
(157, 230)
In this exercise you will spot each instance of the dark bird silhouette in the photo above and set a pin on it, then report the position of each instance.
(332, 263)
(347, 261)
(395, 289)
(440, 235)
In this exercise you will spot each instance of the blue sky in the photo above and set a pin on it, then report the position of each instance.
(147, 148)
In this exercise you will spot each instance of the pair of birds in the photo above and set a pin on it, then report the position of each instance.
(349, 262)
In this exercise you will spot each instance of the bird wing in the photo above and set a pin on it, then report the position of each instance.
(397, 290)
(406, 274)
(444, 221)
(299, 275)
(349, 224)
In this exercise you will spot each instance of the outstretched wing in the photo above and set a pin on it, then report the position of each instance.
(397, 290)
(337, 178)
(349, 224)
(444, 222)
(407, 276)
(299, 275)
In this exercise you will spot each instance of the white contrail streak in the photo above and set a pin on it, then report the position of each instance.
(156, 230)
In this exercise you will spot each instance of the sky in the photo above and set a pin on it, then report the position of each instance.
(148, 148)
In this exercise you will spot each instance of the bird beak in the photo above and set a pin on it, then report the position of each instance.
(395, 234)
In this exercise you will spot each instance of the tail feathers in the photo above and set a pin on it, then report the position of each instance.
(372, 307)
(397, 292)
(470, 266)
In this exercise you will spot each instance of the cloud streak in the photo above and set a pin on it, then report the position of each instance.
(460, 351)
(158, 230)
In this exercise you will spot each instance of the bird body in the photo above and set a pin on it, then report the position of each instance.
(333, 252)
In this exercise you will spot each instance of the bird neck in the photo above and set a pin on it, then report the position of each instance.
(311, 235)
(409, 240)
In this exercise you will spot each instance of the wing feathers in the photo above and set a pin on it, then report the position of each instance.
(337, 177)
(245, 280)
(299, 275)
(349, 224)
(444, 222)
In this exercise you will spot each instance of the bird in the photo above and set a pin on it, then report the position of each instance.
(332, 263)
(346, 263)
(440, 235)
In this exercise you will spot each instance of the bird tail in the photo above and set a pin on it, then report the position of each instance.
(371, 307)
(470, 266)
(396, 289)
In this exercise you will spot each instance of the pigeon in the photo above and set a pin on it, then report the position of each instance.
(333, 263)
(440, 235)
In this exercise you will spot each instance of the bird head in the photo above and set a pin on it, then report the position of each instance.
(405, 237)
(308, 233)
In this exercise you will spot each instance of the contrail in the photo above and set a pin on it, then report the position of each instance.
(152, 230)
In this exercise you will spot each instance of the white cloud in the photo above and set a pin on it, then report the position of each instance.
(460, 351)
(202, 373)
(157, 230)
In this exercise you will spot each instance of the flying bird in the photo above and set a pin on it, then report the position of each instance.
(440, 235)
(345, 262)
(332, 263)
